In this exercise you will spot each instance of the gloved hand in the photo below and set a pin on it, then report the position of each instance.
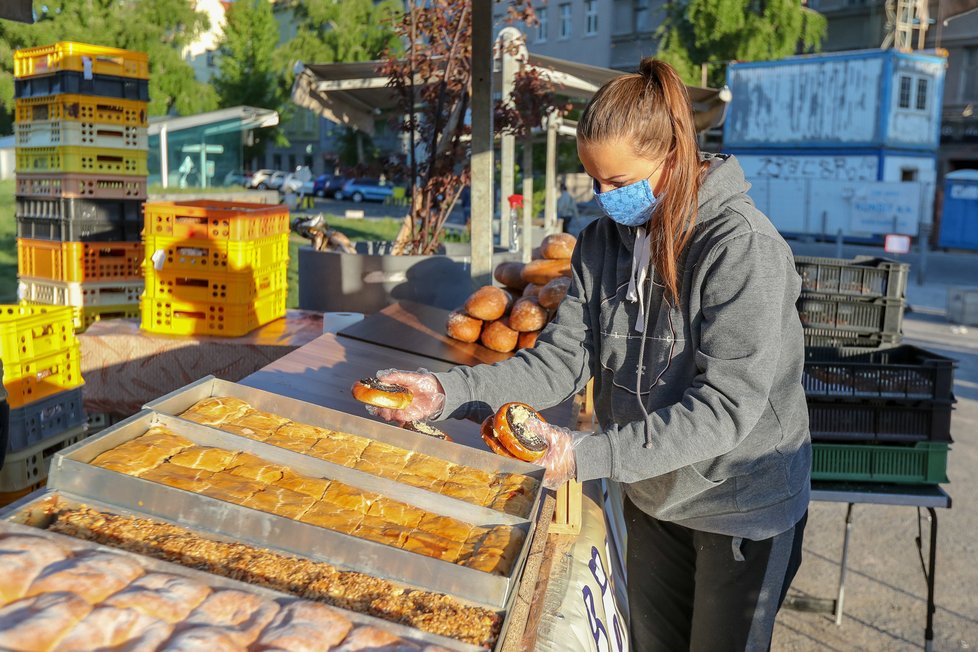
(560, 460)
(429, 397)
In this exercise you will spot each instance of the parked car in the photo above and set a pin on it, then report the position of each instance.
(328, 185)
(365, 190)
(267, 180)
(299, 182)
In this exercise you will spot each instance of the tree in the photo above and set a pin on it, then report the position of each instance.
(352, 30)
(161, 28)
(697, 32)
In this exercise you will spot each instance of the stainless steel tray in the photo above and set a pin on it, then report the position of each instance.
(177, 402)
(33, 512)
(72, 473)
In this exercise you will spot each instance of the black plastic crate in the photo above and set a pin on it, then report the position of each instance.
(79, 220)
(859, 316)
(863, 276)
(898, 372)
(72, 81)
(823, 337)
(879, 421)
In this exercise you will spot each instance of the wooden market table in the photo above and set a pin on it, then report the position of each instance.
(559, 567)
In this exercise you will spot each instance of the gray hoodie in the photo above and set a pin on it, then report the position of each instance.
(729, 449)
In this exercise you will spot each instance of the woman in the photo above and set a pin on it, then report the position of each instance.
(682, 308)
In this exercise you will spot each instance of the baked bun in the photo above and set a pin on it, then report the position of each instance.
(498, 336)
(527, 340)
(508, 274)
(462, 327)
(492, 441)
(508, 426)
(558, 246)
(487, 303)
(542, 272)
(554, 292)
(531, 290)
(386, 395)
(527, 315)
(425, 428)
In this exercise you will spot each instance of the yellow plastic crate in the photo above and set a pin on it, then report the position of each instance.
(82, 160)
(35, 378)
(27, 331)
(196, 255)
(83, 57)
(215, 220)
(82, 108)
(232, 287)
(57, 133)
(82, 295)
(80, 262)
(172, 317)
(85, 316)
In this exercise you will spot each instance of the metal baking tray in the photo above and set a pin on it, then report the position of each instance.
(35, 512)
(72, 473)
(179, 401)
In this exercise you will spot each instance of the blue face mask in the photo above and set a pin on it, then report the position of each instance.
(630, 205)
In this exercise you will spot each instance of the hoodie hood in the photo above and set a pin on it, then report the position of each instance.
(723, 185)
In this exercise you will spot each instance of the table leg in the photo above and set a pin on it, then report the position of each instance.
(842, 569)
(929, 631)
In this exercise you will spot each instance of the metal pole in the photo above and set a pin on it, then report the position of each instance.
(550, 200)
(923, 241)
(527, 199)
(838, 244)
(842, 569)
(507, 153)
(164, 160)
(482, 154)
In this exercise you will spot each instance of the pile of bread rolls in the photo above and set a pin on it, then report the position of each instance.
(509, 318)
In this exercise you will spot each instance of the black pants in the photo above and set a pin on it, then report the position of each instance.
(692, 590)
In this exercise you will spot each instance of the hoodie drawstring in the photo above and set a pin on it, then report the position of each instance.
(641, 257)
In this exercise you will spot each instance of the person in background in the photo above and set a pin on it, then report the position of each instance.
(566, 208)
(682, 310)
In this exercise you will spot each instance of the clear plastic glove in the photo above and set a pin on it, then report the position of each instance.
(560, 460)
(429, 397)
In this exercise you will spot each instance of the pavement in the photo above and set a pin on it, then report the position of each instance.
(885, 598)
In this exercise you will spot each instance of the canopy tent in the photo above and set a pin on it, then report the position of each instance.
(356, 95)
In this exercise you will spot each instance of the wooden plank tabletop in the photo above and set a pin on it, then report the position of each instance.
(419, 329)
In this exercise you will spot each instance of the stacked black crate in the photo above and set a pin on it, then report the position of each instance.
(879, 411)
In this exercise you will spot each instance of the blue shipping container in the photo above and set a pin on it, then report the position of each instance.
(959, 221)
(861, 99)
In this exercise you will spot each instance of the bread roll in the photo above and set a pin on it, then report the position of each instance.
(554, 292)
(305, 627)
(498, 336)
(509, 427)
(527, 315)
(463, 328)
(38, 623)
(531, 290)
(542, 272)
(527, 340)
(487, 303)
(558, 246)
(508, 274)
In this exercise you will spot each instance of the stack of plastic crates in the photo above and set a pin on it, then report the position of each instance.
(214, 268)
(858, 302)
(878, 411)
(81, 136)
(42, 379)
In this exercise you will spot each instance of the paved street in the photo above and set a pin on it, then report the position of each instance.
(885, 587)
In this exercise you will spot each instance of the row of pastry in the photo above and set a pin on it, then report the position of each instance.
(245, 479)
(431, 612)
(55, 597)
(510, 493)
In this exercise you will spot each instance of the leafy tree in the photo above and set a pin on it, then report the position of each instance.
(713, 31)
(247, 73)
(352, 30)
(161, 28)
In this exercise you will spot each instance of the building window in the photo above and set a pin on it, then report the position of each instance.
(905, 88)
(276, 161)
(921, 95)
(590, 17)
(642, 17)
(968, 89)
(565, 21)
(908, 174)
(542, 25)
(291, 162)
